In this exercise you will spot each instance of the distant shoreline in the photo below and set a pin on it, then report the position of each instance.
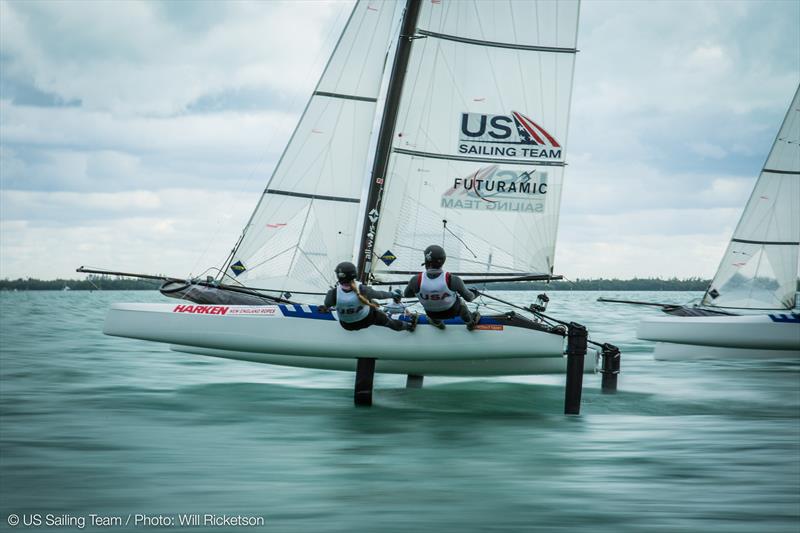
(600, 284)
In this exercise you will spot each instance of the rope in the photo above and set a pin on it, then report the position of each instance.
(545, 318)
(445, 228)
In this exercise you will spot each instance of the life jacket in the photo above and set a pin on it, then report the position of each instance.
(348, 307)
(435, 294)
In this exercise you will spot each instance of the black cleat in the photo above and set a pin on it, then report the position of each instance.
(437, 324)
(476, 317)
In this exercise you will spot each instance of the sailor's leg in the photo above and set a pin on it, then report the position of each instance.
(355, 326)
(469, 318)
(437, 318)
(382, 319)
(436, 322)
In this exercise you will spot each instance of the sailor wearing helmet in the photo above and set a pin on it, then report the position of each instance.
(441, 292)
(354, 306)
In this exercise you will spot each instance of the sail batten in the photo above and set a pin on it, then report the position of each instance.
(314, 196)
(767, 243)
(513, 46)
(346, 96)
(789, 172)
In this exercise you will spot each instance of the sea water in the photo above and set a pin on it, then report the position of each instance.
(98, 428)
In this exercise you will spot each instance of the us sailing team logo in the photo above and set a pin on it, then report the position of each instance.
(513, 135)
(499, 190)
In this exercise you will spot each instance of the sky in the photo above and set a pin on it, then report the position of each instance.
(138, 136)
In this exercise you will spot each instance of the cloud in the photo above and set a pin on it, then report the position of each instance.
(632, 256)
(142, 57)
(172, 231)
(157, 124)
(60, 207)
(75, 149)
(673, 115)
(707, 149)
(227, 133)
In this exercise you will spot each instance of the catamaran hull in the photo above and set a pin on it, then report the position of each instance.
(668, 351)
(457, 368)
(294, 330)
(780, 331)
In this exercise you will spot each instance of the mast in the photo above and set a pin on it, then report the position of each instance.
(386, 138)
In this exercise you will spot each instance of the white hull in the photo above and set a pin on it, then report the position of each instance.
(779, 331)
(457, 367)
(301, 336)
(667, 351)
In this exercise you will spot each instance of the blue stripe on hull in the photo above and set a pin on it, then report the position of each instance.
(423, 319)
(297, 311)
(311, 312)
(783, 317)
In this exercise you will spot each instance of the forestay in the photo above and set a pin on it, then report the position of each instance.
(480, 139)
(759, 268)
(306, 220)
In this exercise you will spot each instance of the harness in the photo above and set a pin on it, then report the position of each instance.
(435, 294)
(348, 307)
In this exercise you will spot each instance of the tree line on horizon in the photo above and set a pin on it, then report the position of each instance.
(109, 283)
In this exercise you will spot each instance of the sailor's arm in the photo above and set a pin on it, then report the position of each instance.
(374, 294)
(412, 288)
(330, 298)
(457, 284)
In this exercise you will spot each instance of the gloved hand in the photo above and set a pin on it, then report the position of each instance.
(397, 296)
(474, 291)
(323, 309)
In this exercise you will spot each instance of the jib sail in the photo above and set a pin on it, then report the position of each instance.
(759, 268)
(306, 220)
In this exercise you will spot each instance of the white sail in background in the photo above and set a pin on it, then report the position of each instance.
(306, 220)
(759, 268)
(480, 138)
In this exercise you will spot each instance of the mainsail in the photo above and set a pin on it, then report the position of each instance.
(759, 268)
(478, 150)
(307, 218)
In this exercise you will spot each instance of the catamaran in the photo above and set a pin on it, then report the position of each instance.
(748, 310)
(469, 153)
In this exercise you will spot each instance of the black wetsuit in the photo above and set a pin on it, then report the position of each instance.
(375, 316)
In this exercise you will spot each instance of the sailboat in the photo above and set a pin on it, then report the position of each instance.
(748, 310)
(471, 117)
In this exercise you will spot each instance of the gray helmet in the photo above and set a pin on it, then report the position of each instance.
(346, 271)
(435, 256)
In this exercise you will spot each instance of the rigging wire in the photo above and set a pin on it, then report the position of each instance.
(445, 228)
(543, 317)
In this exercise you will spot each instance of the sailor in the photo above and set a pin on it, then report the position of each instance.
(396, 306)
(354, 305)
(438, 291)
